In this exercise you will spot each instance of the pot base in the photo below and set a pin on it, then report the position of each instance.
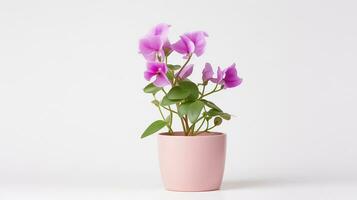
(205, 190)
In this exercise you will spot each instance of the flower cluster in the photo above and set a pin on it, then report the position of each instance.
(186, 95)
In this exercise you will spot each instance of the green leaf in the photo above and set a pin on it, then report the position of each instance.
(173, 67)
(194, 110)
(153, 128)
(166, 102)
(213, 112)
(217, 121)
(183, 108)
(177, 93)
(225, 116)
(191, 87)
(170, 75)
(151, 88)
(211, 105)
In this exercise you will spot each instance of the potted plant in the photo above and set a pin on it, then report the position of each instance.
(191, 159)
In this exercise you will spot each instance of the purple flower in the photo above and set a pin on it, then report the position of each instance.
(207, 72)
(219, 78)
(161, 30)
(231, 78)
(150, 47)
(154, 43)
(186, 72)
(184, 46)
(194, 42)
(227, 77)
(159, 70)
(199, 39)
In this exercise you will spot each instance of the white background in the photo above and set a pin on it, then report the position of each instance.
(72, 107)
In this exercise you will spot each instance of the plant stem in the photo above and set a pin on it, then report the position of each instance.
(200, 127)
(181, 119)
(186, 125)
(171, 81)
(207, 124)
(163, 117)
(196, 121)
(192, 130)
(213, 91)
(171, 111)
(183, 66)
(168, 109)
(203, 90)
(184, 120)
(211, 128)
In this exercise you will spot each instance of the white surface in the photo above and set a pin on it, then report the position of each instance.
(72, 109)
(262, 188)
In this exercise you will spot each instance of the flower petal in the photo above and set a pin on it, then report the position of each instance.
(152, 67)
(153, 43)
(179, 47)
(186, 72)
(156, 67)
(231, 72)
(150, 44)
(161, 29)
(198, 38)
(207, 72)
(167, 47)
(231, 78)
(189, 44)
(163, 67)
(232, 83)
(161, 80)
(184, 45)
(148, 75)
(219, 77)
(151, 57)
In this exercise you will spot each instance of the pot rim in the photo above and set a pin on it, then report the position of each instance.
(212, 134)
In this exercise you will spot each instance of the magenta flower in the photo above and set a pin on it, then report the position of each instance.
(154, 43)
(207, 73)
(189, 43)
(161, 30)
(159, 70)
(186, 72)
(231, 78)
(184, 46)
(199, 39)
(227, 77)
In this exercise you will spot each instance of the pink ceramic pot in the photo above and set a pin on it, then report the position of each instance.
(192, 163)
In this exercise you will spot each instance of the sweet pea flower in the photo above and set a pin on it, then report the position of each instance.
(155, 42)
(199, 39)
(231, 78)
(186, 72)
(207, 73)
(227, 77)
(161, 30)
(194, 42)
(159, 70)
